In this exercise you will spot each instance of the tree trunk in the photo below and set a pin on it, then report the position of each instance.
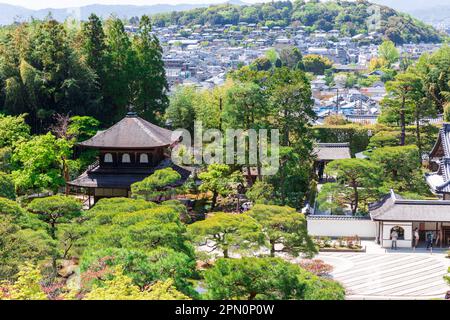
(419, 140)
(403, 122)
(272, 249)
(355, 192)
(214, 200)
(225, 253)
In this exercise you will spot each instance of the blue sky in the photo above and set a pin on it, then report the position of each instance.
(42, 4)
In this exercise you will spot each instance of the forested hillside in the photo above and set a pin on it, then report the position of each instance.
(350, 18)
(98, 69)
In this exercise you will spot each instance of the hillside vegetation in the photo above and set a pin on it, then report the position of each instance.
(350, 18)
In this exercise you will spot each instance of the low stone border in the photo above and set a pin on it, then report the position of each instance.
(341, 250)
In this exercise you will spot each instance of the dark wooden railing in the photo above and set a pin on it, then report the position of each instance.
(93, 165)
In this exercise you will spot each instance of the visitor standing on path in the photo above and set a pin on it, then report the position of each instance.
(416, 237)
(430, 237)
(394, 237)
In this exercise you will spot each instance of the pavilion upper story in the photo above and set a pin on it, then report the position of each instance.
(128, 152)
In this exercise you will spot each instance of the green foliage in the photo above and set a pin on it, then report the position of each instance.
(218, 179)
(260, 192)
(356, 135)
(55, 210)
(145, 267)
(106, 209)
(93, 70)
(384, 139)
(19, 244)
(12, 209)
(150, 84)
(223, 231)
(83, 127)
(156, 186)
(388, 52)
(27, 286)
(401, 168)
(349, 17)
(43, 73)
(358, 178)
(7, 187)
(13, 130)
(284, 226)
(266, 279)
(121, 287)
(316, 64)
(447, 113)
(129, 226)
(434, 69)
(181, 110)
(146, 239)
(291, 57)
(39, 163)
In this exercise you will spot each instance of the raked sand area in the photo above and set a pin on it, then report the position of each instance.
(386, 274)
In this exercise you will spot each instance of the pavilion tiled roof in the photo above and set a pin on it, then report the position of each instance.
(393, 208)
(439, 181)
(123, 178)
(132, 132)
(332, 151)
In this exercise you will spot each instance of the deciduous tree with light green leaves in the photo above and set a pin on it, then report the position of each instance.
(39, 163)
(7, 187)
(316, 64)
(121, 287)
(388, 52)
(27, 287)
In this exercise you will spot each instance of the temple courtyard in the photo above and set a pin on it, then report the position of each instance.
(389, 274)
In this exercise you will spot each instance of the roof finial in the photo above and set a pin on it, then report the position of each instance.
(131, 113)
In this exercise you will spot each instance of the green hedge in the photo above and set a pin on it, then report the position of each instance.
(358, 135)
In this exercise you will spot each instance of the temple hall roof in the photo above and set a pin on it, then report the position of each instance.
(393, 208)
(132, 132)
(332, 151)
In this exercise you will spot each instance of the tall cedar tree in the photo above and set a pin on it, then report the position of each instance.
(150, 84)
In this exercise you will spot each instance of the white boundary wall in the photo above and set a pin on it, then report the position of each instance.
(341, 226)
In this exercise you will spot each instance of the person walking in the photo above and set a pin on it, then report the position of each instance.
(416, 237)
(394, 238)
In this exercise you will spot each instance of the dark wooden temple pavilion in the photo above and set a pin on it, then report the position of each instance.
(439, 158)
(129, 151)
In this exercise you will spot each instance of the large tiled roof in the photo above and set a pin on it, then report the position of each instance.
(332, 151)
(132, 132)
(394, 208)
